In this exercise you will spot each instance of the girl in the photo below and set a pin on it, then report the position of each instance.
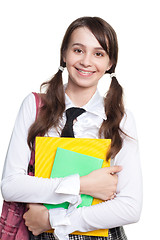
(89, 50)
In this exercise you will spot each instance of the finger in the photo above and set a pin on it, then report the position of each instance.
(114, 169)
(113, 196)
(24, 216)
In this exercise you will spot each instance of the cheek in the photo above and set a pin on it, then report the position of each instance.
(70, 59)
(106, 66)
(103, 67)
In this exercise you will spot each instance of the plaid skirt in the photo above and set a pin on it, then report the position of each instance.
(114, 234)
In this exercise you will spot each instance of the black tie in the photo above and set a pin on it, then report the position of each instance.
(71, 115)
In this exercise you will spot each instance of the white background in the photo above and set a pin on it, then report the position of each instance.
(31, 33)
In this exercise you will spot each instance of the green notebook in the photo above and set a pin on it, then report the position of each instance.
(67, 163)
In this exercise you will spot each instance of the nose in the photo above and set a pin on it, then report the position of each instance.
(86, 60)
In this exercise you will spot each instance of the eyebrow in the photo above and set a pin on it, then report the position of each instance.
(80, 44)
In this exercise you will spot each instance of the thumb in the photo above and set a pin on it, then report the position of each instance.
(114, 169)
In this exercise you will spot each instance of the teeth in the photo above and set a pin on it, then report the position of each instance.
(84, 71)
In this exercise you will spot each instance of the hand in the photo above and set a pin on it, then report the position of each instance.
(101, 183)
(37, 218)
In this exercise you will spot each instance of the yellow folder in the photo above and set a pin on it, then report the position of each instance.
(45, 150)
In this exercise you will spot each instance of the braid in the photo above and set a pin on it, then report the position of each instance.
(114, 109)
(53, 106)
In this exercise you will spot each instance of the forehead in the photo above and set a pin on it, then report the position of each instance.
(85, 37)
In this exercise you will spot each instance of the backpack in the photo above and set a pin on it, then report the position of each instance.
(12, 225)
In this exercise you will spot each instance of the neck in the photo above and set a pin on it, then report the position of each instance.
(81, 96)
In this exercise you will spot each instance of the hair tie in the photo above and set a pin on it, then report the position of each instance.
(61, 68)
(112, 75)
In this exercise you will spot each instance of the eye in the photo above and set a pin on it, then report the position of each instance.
(77, 50)
(99, 54)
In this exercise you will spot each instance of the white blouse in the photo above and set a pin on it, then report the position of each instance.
(17, 186)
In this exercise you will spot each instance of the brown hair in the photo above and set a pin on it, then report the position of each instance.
(54, 100)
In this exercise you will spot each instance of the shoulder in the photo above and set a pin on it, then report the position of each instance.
(28, 107)
(29, 102)
(31, 99)
(128, 117)
(128, 124)
(32, 102)
(26, 114)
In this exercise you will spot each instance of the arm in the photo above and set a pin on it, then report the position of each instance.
(126, 207)
(37, 216)
(100, 183)
(18, 186)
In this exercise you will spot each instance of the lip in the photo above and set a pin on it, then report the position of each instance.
(83, 72)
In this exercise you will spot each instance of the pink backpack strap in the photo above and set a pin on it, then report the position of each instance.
(38, 102)
(31, 166)
(12, 226)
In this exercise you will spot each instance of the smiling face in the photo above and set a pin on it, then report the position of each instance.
(85, 59)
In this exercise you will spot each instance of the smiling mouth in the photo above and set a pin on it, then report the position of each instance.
(85, 72)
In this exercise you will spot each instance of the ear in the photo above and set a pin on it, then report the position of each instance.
(64, 56)
(109, 65)
(64, 59)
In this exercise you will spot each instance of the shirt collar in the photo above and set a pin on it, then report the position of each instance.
(94, 106)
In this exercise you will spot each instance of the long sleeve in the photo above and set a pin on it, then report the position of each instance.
(16, 185)
(126, 207)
